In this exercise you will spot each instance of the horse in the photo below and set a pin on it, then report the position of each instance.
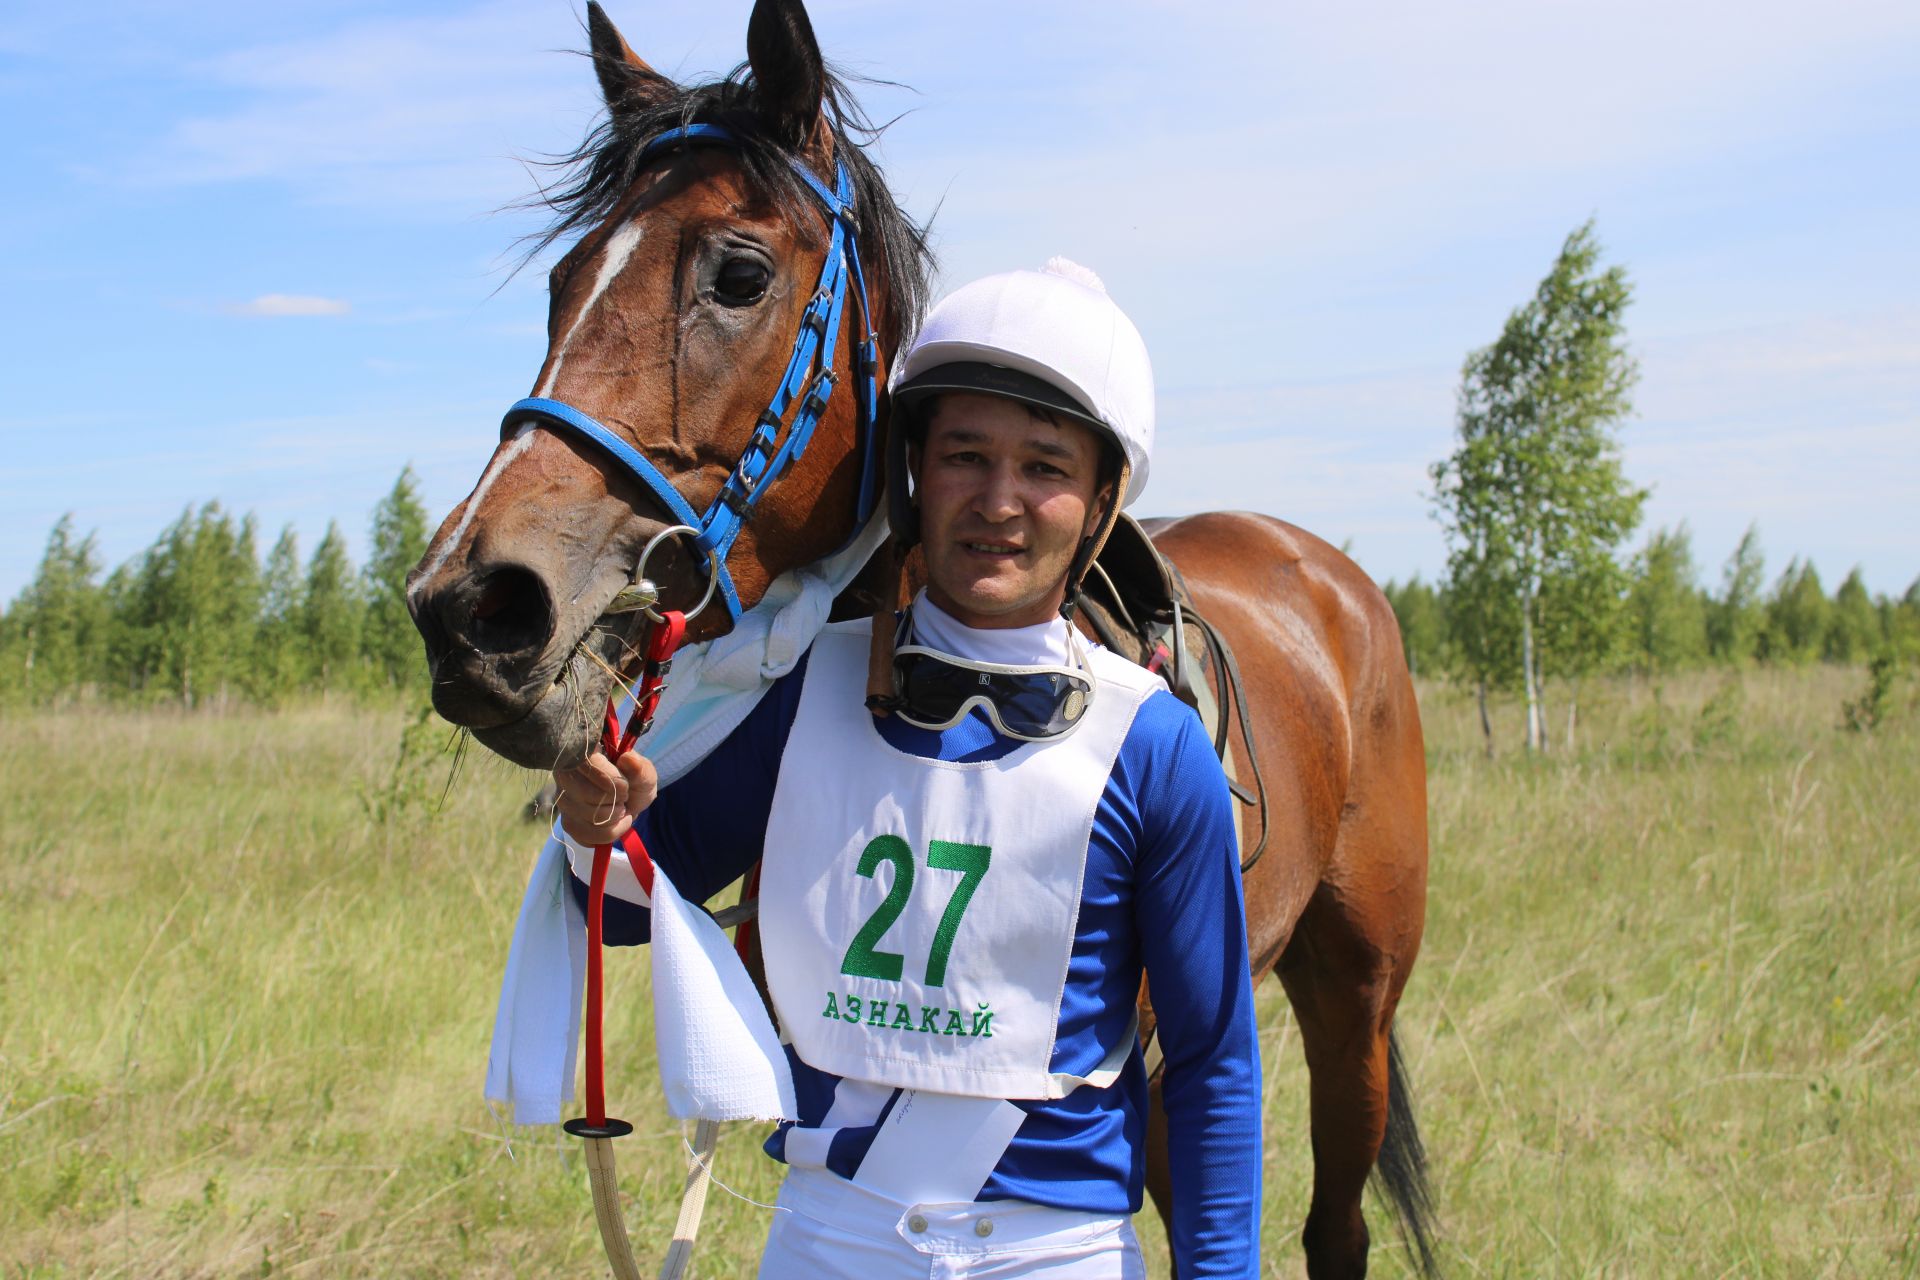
(670, 318)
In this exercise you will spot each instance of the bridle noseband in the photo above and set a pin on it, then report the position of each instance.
(809, 380)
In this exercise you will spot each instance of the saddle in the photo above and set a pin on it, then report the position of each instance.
(1136, 603)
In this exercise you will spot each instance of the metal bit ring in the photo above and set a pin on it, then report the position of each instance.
(642, 585)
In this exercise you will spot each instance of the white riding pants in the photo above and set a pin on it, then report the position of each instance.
(828, 1228)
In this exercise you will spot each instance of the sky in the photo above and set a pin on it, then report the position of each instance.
(264, 253)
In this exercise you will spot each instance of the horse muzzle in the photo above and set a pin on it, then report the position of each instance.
(493, 641)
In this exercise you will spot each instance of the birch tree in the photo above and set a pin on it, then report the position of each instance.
(332, 613)
(1533, 500)
(55, 630)
(1667, 614)
(398, 540)
(1734, 615)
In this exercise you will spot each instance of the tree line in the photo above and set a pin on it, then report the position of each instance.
(1537, 509)
(199, 617)
(1664, 618)
(1534, 503)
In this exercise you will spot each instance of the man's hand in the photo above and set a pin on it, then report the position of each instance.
(597, 802)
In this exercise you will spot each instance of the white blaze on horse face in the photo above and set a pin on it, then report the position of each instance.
(613, 260)
(522, 441)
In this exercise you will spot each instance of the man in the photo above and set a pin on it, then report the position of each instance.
(959, 895)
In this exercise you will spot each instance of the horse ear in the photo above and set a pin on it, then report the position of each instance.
(626, 82)
(789, 78)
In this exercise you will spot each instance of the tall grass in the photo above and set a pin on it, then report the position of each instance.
(1663, 1024)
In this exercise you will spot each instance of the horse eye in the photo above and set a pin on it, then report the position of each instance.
(741, 282)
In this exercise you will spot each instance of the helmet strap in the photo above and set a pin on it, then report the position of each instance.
(903, 519)
(881, 698)
(1090, 546)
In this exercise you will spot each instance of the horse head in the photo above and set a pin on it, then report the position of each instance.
(705, 219)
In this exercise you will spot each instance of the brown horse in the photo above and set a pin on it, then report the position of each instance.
(670, 320)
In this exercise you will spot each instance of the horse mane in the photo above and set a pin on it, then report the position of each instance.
(595, 176)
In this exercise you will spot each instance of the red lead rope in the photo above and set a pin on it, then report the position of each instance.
(663, 639)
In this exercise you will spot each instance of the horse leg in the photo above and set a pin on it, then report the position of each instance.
(1344, 969)
(1338, 1004)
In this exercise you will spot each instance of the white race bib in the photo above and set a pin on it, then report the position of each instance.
(918, 915)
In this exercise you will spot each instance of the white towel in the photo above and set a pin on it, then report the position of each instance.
(720, 1058)
(530, 1064)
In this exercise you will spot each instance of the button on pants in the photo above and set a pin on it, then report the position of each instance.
(826, 1227)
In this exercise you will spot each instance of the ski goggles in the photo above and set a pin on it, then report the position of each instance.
(936, 690)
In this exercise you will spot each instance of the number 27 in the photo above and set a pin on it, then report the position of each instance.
(863, 960)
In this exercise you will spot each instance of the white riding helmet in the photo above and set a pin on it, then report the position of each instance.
(1050, 337)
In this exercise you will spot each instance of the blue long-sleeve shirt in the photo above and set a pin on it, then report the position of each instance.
(1161, 890)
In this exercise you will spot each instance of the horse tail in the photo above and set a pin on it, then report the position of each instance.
(1402, 1165)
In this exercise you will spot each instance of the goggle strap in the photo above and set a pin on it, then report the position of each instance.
(1090, 547)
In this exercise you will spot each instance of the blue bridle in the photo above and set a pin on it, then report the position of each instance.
(775, 444)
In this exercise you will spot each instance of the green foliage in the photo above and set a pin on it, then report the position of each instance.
(332, 613)
(197, 616)
(1667, 615)
(1795, 618)
(1533, 499)
(391, 644)
(1734, 615)
(1870, 709)
(424, 765)
(54, 637)
(1420, 610)
(280, 658)
(1582, 623)
(189, 611)
(1903, 622)
(1853, 624)
(1717, 723)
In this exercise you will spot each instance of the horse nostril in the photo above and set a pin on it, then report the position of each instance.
(510, 614)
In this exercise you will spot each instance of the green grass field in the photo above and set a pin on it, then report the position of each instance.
(1663, 1025)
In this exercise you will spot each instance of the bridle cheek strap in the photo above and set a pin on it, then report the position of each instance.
(805, 389)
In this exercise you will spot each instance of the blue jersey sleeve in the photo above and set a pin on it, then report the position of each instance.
(709, 827)
(1193, 936)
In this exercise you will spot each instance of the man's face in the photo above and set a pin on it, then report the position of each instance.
(1005, 498)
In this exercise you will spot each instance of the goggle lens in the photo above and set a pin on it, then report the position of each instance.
(936, 691)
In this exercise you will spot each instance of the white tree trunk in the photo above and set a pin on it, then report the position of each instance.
(1536, 729)
(1486, 723)
(1573, 702)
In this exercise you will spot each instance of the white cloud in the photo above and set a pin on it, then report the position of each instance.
(424, 113)
(291, 304)
(1289, 199)
(1281, 191)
